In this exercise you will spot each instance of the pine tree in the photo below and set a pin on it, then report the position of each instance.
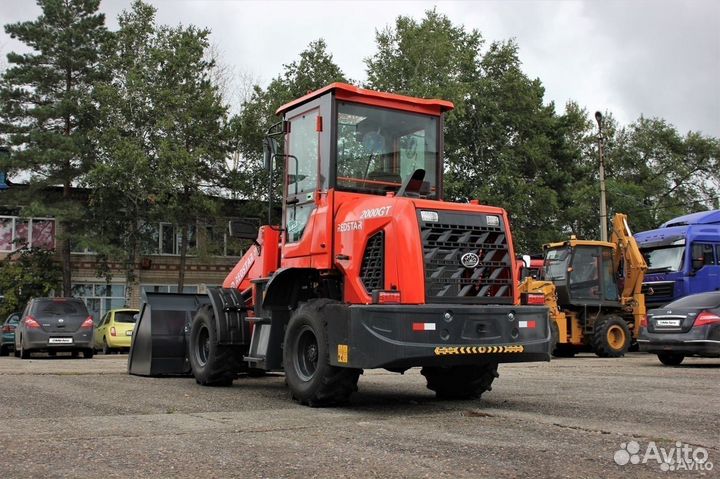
(47, 110)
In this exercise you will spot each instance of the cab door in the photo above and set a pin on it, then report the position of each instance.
(704, 268)
(301, 182)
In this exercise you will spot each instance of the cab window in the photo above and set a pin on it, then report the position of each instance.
(702, 255)
(302, 173)
(584, 277)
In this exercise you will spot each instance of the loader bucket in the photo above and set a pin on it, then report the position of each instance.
(159, 343)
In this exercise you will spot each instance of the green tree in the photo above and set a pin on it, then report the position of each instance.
(499, 138)
(655, 173)
(26, 274)
(163, 143)
(123, 183)
(47, 110)
(314, 69)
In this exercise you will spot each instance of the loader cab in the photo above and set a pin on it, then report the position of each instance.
(582, 272)
(346, 139)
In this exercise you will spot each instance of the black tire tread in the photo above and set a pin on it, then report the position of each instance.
(670, 359)
(222, 366)
(460, 382)
(338, 383)
(599, 337)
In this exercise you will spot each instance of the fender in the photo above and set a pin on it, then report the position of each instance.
(288, 286)
(230, 311)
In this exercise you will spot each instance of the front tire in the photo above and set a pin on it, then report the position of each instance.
(611, 338)
(310, 376)
(670, 358)
(212, 364)
(4, 350)
(460, 382)
(88, 353)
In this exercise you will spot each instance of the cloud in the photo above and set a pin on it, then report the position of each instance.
(632, 58)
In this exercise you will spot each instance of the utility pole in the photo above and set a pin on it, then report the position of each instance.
(603, 205)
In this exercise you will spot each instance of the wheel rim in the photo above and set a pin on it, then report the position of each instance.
(306, 354)
(616, 337)
(203, 346)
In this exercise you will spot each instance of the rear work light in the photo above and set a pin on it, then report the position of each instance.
(87, 324)
(705, 318)
(30, 323)
(537, 299)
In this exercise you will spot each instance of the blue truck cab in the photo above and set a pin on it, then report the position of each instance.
(683, 257)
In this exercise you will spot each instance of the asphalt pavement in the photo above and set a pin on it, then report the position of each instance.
(574, 418)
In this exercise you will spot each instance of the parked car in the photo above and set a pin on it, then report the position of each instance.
(114, 332)
(689, 326)
(54, 325)
(7, 340)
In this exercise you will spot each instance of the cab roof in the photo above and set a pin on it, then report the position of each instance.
(343, 91)
(700, 218)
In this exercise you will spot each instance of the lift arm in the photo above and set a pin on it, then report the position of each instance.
(634, 265)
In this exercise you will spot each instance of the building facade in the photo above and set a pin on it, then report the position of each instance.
(211, 257)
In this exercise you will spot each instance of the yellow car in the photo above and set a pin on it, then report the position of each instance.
(114, 332)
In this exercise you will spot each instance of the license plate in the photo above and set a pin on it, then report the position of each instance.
(128, 333)
(60, 340)
(668, 323)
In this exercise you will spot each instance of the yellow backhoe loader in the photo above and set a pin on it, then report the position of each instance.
(593, 290)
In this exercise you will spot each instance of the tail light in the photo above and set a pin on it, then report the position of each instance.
(643, 321)
(7, 329)
(705, 318)
(31, 323)
(385, 297)
(87, 324)
(537, 299)
(112, 331)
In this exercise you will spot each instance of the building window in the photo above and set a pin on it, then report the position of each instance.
(100, 297)
(18, 233)
(166, 239)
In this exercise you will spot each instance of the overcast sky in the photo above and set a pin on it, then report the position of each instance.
(637, 57)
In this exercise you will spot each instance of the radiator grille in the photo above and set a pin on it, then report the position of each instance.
(447, 240)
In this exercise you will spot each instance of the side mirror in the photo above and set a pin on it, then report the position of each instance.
(270, 148)
(245, 228)
(526, 260)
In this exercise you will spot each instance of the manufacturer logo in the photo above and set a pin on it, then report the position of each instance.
(61, 320)
(470, 260)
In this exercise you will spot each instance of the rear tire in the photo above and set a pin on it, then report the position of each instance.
(670, 358)
(212, 364)
(309, 375)
(611, 338)
(24, 353)
(554, 336)
(106, 349)
(460, 382)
